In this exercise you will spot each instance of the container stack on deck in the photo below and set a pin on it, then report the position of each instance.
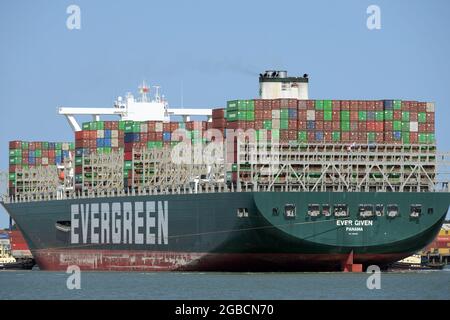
(24, 155)
(289, 121)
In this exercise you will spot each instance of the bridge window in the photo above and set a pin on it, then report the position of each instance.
(340, 210)
(392, 210)
(313, 210)
(326, 210)
(430, 210)
(242, 212)
(365, 210)
(289, 211)
(415, 211)
(379, 210)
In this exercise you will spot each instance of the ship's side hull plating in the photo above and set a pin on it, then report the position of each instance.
(237, 231)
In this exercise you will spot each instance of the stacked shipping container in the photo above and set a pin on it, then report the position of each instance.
(23, 155)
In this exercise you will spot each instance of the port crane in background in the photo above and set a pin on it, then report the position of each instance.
(135, 109)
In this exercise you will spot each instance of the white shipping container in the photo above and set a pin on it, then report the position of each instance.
(275, 123)
(430, 106)
(114, 133)
(275, 114)
(158, 127)
(413, 126)
(65, 146)
(144, 127)
(44, 161)
(311, 115)
(115, 143)
(100, 134)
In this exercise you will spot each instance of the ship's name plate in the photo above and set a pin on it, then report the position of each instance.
(354, 226)
(140, 222)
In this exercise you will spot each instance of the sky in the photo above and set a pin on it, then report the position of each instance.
(203, 53)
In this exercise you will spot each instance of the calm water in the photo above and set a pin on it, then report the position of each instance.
(104, 285)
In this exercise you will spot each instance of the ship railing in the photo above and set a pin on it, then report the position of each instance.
(442, 186)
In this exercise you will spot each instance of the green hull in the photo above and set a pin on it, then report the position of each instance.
(245, 231)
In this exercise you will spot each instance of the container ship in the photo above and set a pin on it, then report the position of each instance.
(277, 183)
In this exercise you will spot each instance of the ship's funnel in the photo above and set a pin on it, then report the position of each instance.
(275, 84)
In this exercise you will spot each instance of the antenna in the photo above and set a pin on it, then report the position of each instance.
(144, 89)
(157, 97)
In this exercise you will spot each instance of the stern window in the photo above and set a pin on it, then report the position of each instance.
(275, 212)
(430, 210)
(313, 210)
(392, 210)
(242, 212)
(416, 210)
(326, 210)
(365, 210)
(289, 211)
(340, 210)
(379, 210)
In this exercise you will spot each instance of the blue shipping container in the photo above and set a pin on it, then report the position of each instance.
(388, 104)
(397, 135)
(310, 124)
(100, 142)
(371, 115)
(292, 113)
(166, 136)
(319, 135)
(107, 133)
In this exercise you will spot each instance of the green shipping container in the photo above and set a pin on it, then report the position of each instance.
(12, 177)
(345, 125)
(250, 116)
(405, 126)
(25, 145)
(388, 115)
(267, 124)
(284, 124)
(405, 115)
(125, 173)
(371, 136)
(38, 153)
(128, 165)
(250, 105)
(405, 138)
(319, 104)
(423, 138)
(397, 104)
(397, 125)
(362, 115)
(100, 150)
(58, 146)
(86, 125)
(379, 115)
(328, 115)
(302, 136)
(275, 134)
(327, 105)
(336, 136)
(122, 125)
(58, 152)
(431, 138)
(422, 117)
(15, 152)
(44, 145)
(284, 114)
(345, 115)
(72, 146)
(78, 161)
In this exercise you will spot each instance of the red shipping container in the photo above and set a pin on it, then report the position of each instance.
(388, 126)
(166, 126)
(336, 105)
(354, 136)
(92, 134)
(250, 125)
(388, 137)
(32, 146)
(319, 115)
(362, 137)
(311, 136)
(327, 125)
(336, 115)
(276, 104)
(302, 115)
(362, 126)
(258, 124)
(413, 137)
(219, 123)
(218, 113)
(421, 107)
(259, 114)
(25, 153)
(345, 104)
(379, 126)
(292, 124)
(412, 116)
(173, 126)
(301, 125)
(267, 114)
(44, 153)
(293, 134)
(284, 135)
(336, 125)
(345, 136)
(267, 103)
(423, 127)
(301, 105)
(379, 137)
(379, 105)
(13, 168)
(319, 125)
(354, 126)
(327, 136)
(430, 127)
(370, 125)
(25, 160)
(430, 117)
(258, 103)
(15, 144)
(414, 107)
(406, 105)
(292, 104)
(397, 114)
(353, 115)
(151, 126)
(78, 170)
(92, 143)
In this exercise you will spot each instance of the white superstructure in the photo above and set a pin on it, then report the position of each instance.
(276, 84)
(136, 109)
